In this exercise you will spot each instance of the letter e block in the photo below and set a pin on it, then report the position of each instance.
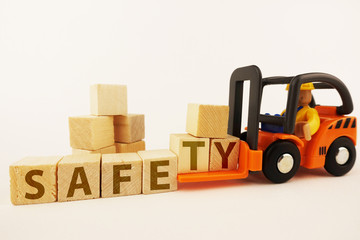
(33, 180)
(207, 120)
(224, 153)
(192, 152)
(79, 177)
(91, 132)
(130, 128)
(108, 99)
(121, 174)
(159, 171)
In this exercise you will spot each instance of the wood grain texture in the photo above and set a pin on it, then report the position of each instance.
(192, 152)
(130, 147)
(105, 150)
(79, 177)
(159, 171)
(33, 180)
(130, 128)
(108, 99)
(224, 153)
(207, 120)
(91, 132)
(121, 174)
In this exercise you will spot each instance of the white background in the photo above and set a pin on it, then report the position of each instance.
(170, 53)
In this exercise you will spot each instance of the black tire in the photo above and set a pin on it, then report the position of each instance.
(271, 157)
(331, 164)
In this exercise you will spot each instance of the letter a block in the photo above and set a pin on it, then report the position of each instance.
(33, 180)
(207, 120)
(108, 99)
(121, 174)
(159, 171)
(79, 177)
(192, 152)
(224, 153)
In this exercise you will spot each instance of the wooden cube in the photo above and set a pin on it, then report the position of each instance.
(79, 177)
(91, 132)
(192, 152)
(130, 147)
(33, 180)
(110, 149)
(121, 174)
(108, 99)
(207, 120)
(224, 153)
(130, 128)
(159, 171)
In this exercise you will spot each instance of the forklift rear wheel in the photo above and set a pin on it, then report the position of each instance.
(281, 161)
(341, 157)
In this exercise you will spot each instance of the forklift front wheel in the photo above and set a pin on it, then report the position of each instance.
(281, 161)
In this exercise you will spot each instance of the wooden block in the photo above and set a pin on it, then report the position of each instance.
(79, 177)
(192, 152)
(91, 132)
(159, 171)
(121, 174)
(33, 180)
(130, 128)
(207, 120)
(224, 153)
(130, 147)
(108, 99)
(110, 149)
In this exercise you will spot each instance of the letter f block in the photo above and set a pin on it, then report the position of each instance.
(192, 152)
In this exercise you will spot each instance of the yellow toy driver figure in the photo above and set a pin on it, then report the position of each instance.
(307, 118)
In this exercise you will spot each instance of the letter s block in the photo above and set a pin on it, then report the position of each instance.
(33, 180)
(159, 171)
(192, 152)
(121, 174)
(79, 177)
(224, 153)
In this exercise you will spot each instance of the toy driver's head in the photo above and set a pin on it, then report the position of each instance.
(305, 94)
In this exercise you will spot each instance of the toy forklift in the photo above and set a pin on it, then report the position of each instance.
(280, 154)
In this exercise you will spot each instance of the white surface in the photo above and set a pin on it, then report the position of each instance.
(169, 54)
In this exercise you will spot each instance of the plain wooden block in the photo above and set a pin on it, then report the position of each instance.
(159, 171)
(108, 99)
(33, 180)
(91, 132)
(130, 128)
(121, 174)
(130, 147)
(110, 149)
(79, 177)
(224, 153)
(192, 152)
(207, 120)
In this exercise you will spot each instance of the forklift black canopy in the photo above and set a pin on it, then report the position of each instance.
(253, 74)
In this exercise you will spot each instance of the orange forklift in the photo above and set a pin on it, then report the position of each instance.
(280, 153)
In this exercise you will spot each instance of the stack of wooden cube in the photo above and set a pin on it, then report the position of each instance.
(109, 128)
(206, 146)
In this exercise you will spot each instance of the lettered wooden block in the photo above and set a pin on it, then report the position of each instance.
(108, 99)
(224, 153)
(130, 128)
(33, 180)
(121, 174)
(159, 171)
(79, 177)
(91, 132)
(207, 120)
(105, 150)
(192, 152)
(130, 147)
